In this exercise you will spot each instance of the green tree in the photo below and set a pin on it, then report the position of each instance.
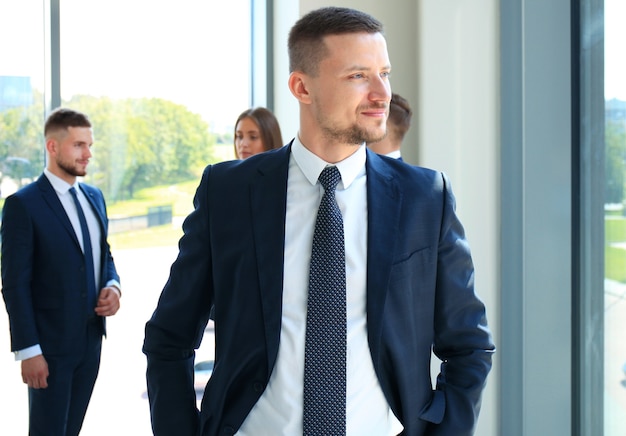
(22, 150)
(144, 142)
(139, 143)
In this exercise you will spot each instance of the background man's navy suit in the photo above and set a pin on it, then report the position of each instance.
(43, 277)
(419, 293)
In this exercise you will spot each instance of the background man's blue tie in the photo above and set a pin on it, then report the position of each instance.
(325, 345)
(89, 266)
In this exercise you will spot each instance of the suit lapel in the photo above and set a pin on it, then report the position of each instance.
(268, 197)
(52, 200)
(384, 201)
(99, 212)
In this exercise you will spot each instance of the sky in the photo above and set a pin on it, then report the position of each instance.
(191, 52)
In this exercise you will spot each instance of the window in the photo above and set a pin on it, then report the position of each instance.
(21, 93)
(163, 83)
(615, 219)
(601, 308)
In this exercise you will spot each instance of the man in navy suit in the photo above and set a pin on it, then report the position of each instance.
(398, 123)
(56, 316)
(246, 251)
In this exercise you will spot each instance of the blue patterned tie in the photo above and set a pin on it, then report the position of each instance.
(89, 267)
(325, 345)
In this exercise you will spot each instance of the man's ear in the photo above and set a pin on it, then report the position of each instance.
(298, 85)
(51, 145)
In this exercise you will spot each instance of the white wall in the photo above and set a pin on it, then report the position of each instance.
(444, 57)
(458, 127)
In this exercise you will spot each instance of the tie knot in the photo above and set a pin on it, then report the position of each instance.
(73, 191)
(329, 178)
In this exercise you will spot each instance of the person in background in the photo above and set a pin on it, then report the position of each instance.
(59, 279)
(256, 130)
(334, 272)
(398, 123)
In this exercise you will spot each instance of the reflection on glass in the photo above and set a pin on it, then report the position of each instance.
(615, 222)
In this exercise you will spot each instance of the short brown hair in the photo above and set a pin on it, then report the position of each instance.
(400, 114)
(306, 38)
(62, 118)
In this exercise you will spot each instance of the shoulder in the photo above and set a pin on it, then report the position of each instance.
(29, 192)
(91, 190)
(404, 172)
(242, 170)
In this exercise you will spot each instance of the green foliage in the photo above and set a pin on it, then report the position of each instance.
(139, 143)
(144, 142)
(21, 142)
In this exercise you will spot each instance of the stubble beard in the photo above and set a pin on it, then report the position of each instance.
(71, 169)
(354, 134)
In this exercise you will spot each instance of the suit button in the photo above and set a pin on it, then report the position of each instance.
(229, 430)
(258, 387)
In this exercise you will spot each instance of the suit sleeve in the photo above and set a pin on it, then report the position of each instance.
(17, 264)
(175, 329)
(110, 272)
(462, 339)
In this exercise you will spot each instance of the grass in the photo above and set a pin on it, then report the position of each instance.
(179, 196)
(159, 236)
(614, 257)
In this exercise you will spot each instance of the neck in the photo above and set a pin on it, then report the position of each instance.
(63, 175)
(326, 149)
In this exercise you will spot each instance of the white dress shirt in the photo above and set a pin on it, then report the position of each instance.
(62, 188)
(396, 154)
(279, 410)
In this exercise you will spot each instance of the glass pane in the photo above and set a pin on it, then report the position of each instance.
(21, 93)
(163, 84)
(615, 222)
(21, 158)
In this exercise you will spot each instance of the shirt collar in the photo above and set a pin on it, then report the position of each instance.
(312, 165)
(59, 185)
(395, 154)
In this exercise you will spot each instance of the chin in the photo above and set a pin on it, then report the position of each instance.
(376, 137)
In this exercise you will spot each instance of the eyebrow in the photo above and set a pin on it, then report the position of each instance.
(364, 68)
(248, 131)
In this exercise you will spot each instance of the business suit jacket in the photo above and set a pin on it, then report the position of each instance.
(43, 269)
(419, 294)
